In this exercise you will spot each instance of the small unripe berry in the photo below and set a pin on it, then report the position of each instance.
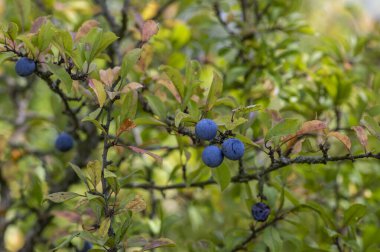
(260, 211)
(233, 149)
(212, 156)
(206, 129)
(64, 142)
(25, 66)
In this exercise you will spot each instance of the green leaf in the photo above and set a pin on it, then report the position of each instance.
(353, 214)
(237, 121)
(374, 111)
(12, 30)
(248, 109)
(372, 126)
(35, 192)
(246, 140)
(179, 117)
(157, 106)
(176, 77)
(66, 241)
(95, 42)
(45, 36)
(129, 61)
(28, 42)
(123, 229)
(6, 55)
(61, 74)
(149, 121)
(109, 174)
(114, 183)
(129, 105)
(192, 80)
(79, 173)
(215, 91)
(284, 128)
(94, 171)
(222, 175)
(272, 239)
(288, 194)
(85, 235)
(95, 122)
(61, 196)
(317, 208)
(104, 226)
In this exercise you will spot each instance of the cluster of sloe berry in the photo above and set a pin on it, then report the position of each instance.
(212, 155)
(25, 67)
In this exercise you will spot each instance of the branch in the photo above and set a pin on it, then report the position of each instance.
(243, 178)
(108, 16)
(253, 235)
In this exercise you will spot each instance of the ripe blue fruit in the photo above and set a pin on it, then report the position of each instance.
(86, 247)
(64, 142)
(233, 149)
(25, 66)
(206, 129)
(260, 211)
(212, 156)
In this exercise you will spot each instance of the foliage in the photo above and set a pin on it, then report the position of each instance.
(129, 80)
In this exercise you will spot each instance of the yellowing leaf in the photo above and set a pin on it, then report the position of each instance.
(137, 204)
(362, 136)
(94, 171)
(150, 10)
(104, 226)
(343, 138)
(61, 196)
(98, 88)
(215, 91)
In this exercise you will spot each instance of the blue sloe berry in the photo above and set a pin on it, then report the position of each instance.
(64, 142)
(25, 66)
(233, 149)
(206, 129)
(86, 247)
(260, 211)
(212, 156)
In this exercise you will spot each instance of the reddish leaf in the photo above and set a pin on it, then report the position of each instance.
(109, 75)
(37, 24)
(149, 29)
(85, 28)
(127, 125)
(171, 87)
(310, 126)
(362, 136)
(68, 215)
(142, 151)
(131, 86)
(343, 138)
